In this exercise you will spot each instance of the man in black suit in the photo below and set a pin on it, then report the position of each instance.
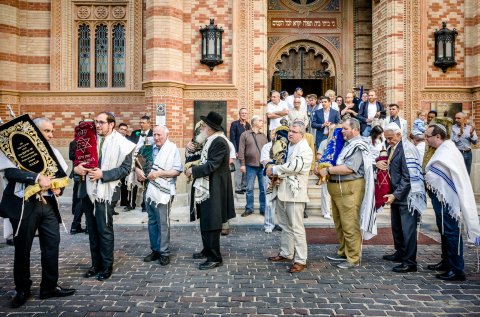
(322, 119)
(139, 137)
(101, 189)
(36, 215)
(404, 222)
(212, 190)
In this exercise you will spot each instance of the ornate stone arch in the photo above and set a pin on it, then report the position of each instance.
(320, 45)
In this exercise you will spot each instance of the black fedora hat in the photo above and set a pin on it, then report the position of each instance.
(214, 120)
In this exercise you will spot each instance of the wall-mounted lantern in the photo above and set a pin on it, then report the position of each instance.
(445, 47)
(211, 45)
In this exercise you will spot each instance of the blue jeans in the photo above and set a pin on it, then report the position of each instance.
(159, 227)
(467, 158)
(366, 132)
(452, 242)
(253, 172)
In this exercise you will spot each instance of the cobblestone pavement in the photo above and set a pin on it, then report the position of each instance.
(246, 285)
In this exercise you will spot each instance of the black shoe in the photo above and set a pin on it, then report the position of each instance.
(86, 230)
(104, 275)
(277, 228)
(57, 292)
(392, 257)
(262, 213)
(451, 276)
(144, 210)
(199, 255)
(128, 208)
(20, 298)
(305, 214)
(440, 266)
(10, 242)
(92, 271)
(164, 260)
(240, 192)
(152, 257)
(403, 268)
(207, 265)
(246, 213)
(77, 230)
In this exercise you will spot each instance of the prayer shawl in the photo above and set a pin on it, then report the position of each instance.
(202, 185)
(159, 191)
(447, 177)
(417, 199)
(114, 150)
(368, 225)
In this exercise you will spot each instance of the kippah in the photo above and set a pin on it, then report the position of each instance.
(441, 126)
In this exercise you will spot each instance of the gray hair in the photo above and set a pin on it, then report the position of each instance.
(165, 129)
(254, 118)
(38, 121)
(353, 123)
(392, 126)
(299, 124)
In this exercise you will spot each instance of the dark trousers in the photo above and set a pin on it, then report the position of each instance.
(100, 233)
(42, 218)
(467, 158)
(123, 193)
(452, 242)
(77, 209)
(404, 231)
(211, 245)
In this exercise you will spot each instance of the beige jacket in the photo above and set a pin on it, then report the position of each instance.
(297, 167)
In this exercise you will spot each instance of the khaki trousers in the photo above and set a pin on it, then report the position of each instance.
(293, 241)
(346, 202)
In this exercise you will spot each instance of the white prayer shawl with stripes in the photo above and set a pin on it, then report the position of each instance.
(368, 224)
(447, 177)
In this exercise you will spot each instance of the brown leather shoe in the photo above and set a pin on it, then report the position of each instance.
(225, 232)
(278, 258)
(297, 267)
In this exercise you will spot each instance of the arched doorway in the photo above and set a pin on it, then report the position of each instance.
(306, 65)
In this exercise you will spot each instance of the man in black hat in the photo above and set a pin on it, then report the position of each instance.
(212, 192)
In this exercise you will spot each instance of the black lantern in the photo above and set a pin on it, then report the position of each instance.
(445, 47)
(211, 45)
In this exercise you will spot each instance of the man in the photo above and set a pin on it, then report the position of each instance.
(139, 137)
(312, 106)
(403, 221)
(464, 136)
(331, 96)
(77, 210)
(236, 130)
(298, 113)
(276, 110)
(368, 111)
(101, 188)
(351, 189)
(363, 102)
(452, 199)
(291, 198)
(123, 129)
(167, 165)
(212, 198)
(251, 143)
(432, 114)
(28, 216)
(298, 93)
(394, 110)
(322, 119)
(350, 109)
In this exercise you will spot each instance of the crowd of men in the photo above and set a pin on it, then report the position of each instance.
(124, 171)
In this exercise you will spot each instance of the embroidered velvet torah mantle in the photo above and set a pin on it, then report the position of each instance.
(26, 147)
(86, 141)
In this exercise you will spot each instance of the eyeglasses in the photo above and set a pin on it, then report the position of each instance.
(100, 122)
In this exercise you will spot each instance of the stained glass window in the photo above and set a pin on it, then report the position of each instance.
(101, 56)
(84, 56)
(118, 52)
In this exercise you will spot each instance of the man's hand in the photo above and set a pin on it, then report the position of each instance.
(269, 171)
(243, 169)
(369, 120)
(382, 165)
(390, 199)
(45, 182)
(57, 191)
(323, 172)
(140, 174)
(81, 170)
(154, 174)
(190, 147)
(95, 174)
(188, 172)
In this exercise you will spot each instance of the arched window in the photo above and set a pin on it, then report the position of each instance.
(118, 56)
(84, 56)
(101, 56)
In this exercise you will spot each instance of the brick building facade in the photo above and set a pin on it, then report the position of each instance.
(387, 45)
